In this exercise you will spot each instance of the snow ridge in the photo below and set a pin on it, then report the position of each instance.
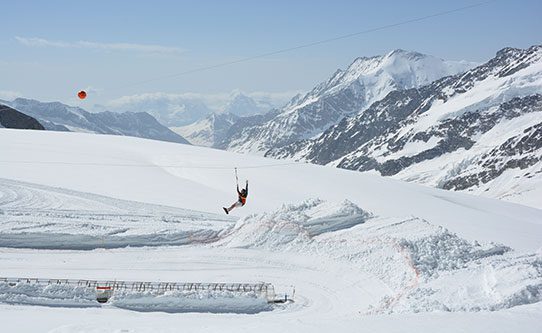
(293, 224)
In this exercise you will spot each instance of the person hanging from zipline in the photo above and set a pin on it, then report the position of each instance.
(242, 196)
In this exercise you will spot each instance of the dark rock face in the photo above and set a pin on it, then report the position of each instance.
(11, 118)
(517, 152)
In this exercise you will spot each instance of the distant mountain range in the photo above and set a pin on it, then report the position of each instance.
(56, 116)
(177, 110)
(205, 126)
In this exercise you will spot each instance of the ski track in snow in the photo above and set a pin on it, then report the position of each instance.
(53, 218)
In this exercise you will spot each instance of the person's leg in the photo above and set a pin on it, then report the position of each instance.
(236, 204)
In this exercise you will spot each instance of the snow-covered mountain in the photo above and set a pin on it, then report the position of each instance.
(209, 131)
(169, 110)
(11, 118)
(216, 128)
(242, 105)
(347, 92)
(60, 117)
(479, 131)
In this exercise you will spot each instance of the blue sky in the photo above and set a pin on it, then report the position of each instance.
(50, 49)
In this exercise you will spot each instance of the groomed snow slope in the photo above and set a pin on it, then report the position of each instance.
(202, 179)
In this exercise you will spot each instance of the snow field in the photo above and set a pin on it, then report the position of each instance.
(363, 253)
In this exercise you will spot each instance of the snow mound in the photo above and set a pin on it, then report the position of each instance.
(293, 224)
(444, 251)
(55, 295)
(191, 301)
(428, 268)
(174, 301)
(490, 284)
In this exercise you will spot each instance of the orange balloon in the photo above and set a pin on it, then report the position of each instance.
(82, 94)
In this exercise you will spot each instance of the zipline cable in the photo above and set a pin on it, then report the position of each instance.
(151, 165)
(302, 46)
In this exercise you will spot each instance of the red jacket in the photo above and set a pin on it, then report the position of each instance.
(243, 196)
